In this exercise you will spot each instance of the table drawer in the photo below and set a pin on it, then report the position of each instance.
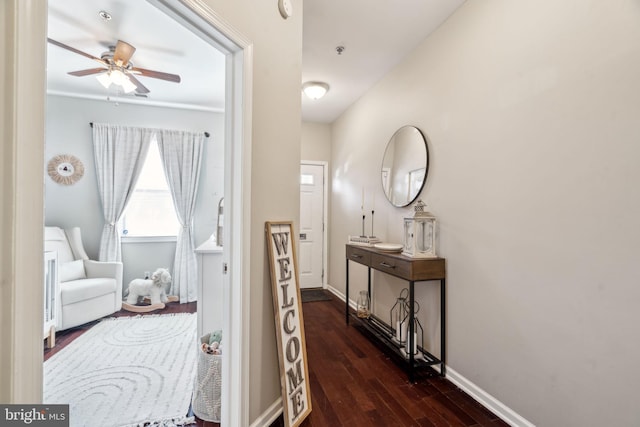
(358, 255)
(394, 266)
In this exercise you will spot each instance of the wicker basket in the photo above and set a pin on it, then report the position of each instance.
(206, 390)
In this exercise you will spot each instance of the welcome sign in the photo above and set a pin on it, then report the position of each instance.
(292, 351)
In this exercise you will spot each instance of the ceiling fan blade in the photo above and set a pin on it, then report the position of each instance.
(140, 88)
(87, 72)
(74, 50)
(124, 52)
(157, 74)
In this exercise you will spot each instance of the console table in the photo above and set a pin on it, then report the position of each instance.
(412, 270)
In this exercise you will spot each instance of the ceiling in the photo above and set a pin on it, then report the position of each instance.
(161, 45)
(375, 35)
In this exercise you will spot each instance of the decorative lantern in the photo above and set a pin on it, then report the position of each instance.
(397, 315)
(418, 333)
(420, 233)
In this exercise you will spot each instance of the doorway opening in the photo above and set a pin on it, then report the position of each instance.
(201, 20)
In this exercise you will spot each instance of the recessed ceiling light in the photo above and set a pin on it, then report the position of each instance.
(106, 16)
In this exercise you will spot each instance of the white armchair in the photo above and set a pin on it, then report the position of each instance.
(89, 289)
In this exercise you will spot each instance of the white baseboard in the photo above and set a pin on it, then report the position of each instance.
(270, 415)
(488, 401)
(505, 413)
(340, 295)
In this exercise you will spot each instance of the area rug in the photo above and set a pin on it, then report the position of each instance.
(127, 371)
(311, 295)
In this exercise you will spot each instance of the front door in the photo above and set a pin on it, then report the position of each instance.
(311, 258)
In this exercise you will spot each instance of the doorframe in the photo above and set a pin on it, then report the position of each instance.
(238, 50)
(22, 110)
(325, 214)
(22, 123)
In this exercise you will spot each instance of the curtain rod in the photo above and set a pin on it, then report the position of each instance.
(206, 134)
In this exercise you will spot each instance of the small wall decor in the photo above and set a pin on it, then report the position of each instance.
(65, 169)
(292, 352)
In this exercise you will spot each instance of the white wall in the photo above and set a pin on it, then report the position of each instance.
(531, 112)
(68, 132)
(315, 141)
(275, 166)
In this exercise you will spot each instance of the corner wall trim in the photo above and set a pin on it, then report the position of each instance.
(270, 415)
(505, 413)
(340, 295)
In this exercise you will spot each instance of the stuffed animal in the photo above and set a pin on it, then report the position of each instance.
(154, 287)
(213, 348)
(215, 336)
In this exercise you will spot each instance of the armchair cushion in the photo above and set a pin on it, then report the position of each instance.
(102, 268)
(72, 270)
(85, 289)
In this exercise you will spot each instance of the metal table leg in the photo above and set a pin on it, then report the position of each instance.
(411, 337)
(443, 335)
(346, 308)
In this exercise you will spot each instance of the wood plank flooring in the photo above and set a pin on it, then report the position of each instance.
(353, 383)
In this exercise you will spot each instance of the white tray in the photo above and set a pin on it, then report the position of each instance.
(389, 247)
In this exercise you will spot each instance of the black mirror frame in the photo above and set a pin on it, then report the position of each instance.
(426, 167)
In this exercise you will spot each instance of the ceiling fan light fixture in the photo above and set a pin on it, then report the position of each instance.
(315, 90)
(128, 86)
(118, 68)
(104, 80)
(117, 77)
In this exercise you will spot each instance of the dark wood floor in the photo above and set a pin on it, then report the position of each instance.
(353, 383)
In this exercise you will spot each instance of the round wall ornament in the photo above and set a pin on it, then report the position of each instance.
(65, 169)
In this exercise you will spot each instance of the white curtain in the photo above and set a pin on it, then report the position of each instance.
(181, 154)
(119, 153)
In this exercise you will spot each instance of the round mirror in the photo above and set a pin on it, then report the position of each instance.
(405, 166)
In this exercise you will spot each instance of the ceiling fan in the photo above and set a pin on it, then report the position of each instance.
(117, 68)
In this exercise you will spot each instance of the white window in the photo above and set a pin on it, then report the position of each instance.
(150, 212)
(306, 179)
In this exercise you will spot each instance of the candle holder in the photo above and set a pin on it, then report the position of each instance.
(363, 310)
(372, 233)
(363, 239)
(418, 333)
(397, 315)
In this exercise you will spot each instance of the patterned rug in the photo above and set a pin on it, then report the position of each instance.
(127, 371)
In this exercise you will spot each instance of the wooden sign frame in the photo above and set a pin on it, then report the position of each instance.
(287, 308)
